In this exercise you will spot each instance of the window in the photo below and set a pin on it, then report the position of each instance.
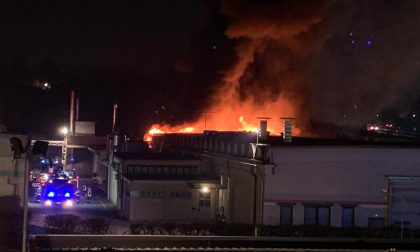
(204, 199)
(144, 170)
(286, 215)
(187, 170)
(317, 215)
(347, 219)
(159, 169)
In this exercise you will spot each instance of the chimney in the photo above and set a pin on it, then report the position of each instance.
(287, 132)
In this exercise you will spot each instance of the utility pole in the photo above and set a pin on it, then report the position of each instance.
(25, 205)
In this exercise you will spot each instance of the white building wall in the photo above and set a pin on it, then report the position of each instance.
(336, 175)
(167, 208)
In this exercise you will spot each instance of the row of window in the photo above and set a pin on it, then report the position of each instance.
(317, 215)
(204, 199)
(161, 170)
(160, 194)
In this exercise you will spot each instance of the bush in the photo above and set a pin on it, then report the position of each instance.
(62, 223)
(94, 226)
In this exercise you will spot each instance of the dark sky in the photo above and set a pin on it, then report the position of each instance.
(106, 50)
(339, 63)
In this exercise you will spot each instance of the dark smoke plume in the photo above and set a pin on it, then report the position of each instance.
(339, 63)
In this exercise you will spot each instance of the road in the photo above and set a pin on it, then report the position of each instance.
(100, 207)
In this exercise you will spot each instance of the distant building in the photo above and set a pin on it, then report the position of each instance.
(163, 187)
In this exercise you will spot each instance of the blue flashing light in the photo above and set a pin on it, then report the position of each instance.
(51, 194)
(369, 42)
(43, 161)
(72, 159)
(67, 195)
(353, 41)
(55, 161)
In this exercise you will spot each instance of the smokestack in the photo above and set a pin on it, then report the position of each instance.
(72, 112)
(287, 133)
(114, 117)
(77, 109)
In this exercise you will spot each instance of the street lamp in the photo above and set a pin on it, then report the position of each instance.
(385, 191)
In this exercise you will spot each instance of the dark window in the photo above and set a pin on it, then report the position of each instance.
(286, 215)
(317, 215)
(376, 222)
(166, 170)
(347, 219)
(179, 170)
(144, 170)
(187, 170)
(204, 199)
(152, 169)
(159, 170)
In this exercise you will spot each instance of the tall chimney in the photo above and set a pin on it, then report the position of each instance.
(114, 118)
(287, 133)
(72, 112)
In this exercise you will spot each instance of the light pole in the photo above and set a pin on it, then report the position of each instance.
(64, 131)
(402, 213)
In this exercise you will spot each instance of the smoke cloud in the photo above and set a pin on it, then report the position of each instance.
(326, 63)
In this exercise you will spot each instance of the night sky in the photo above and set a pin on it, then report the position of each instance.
(342, 64)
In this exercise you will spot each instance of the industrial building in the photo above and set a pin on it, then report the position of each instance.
(255, 178)
(308, 181)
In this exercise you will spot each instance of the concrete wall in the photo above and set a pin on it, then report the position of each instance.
(238, 181)
(8, 173)
(334, 176)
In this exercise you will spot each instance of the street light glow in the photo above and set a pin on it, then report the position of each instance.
(64, 130)
(205, 189)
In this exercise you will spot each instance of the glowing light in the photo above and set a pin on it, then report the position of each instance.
(353, 41)
(51, 194)
(68, 203)
(205, 189)
(64, 130)
(369, 42)
(67, 195)
(48, 203)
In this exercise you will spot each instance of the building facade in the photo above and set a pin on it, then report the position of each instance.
(327, 182)
(164, 188)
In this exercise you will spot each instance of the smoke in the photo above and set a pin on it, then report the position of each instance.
(326, 63)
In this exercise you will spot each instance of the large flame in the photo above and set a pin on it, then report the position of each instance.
(280, 41)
